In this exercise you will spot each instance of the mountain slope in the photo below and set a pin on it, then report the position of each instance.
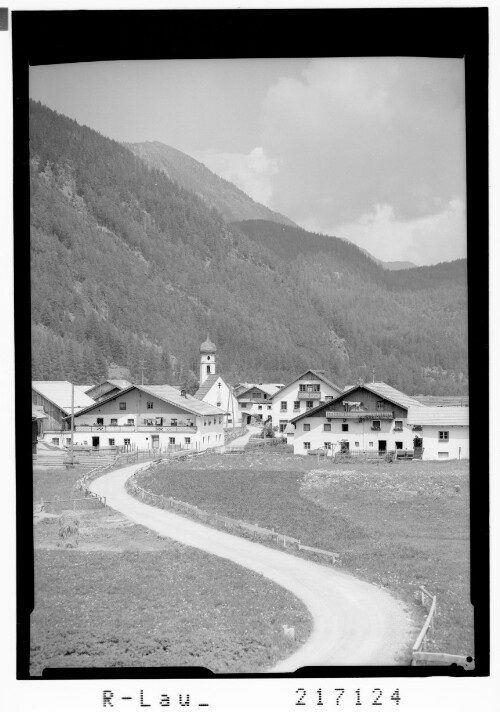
(232, 203)
(129, 270)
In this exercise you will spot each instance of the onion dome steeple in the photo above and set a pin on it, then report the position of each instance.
(208, 347)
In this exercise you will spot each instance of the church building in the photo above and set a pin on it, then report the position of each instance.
(213, 388)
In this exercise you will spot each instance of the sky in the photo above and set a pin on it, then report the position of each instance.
(369, 149)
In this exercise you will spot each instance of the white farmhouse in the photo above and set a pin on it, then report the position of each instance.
(444, 431)
(300, 395)
(145, 417)
(371, 417)
(255, 402)
(213, 388)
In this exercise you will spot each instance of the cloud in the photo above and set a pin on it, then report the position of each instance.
(253, 172)
(427, 240)
(354, 133)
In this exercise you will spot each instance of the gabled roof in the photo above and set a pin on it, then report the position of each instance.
(269, 388)
(316, 375)
(120, 383)
(206, 386)
(59, 394)
(379, 389)
(438, 415)
(389, 393)
(85, 387)
(170, 395)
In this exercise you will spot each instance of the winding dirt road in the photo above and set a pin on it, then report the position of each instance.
(354, 622)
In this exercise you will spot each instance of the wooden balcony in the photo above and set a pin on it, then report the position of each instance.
(132, 428)
(360, 415)
(309, 395)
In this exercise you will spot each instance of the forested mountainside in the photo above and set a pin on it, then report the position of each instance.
(232, 203)
(129, 270)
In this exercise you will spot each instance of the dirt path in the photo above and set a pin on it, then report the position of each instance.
(243, 439)
(354, 623)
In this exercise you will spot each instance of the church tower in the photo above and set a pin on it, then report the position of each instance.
(207, 359)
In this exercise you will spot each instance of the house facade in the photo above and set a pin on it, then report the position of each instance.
(213, 389)
(255, 402)
(305, 392)
(444, 431)
(370, 418)
(150, 417)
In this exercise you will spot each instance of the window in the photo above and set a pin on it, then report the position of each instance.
(370, 444)
(130, 421)
(123, 405)
(309, 404)
(243, 405)
(443, 454)
(269, 407)
(307, 446)
(149, 405)
(187, 441)
(307, 426)
(345, 427)
(126, 441)
(68, 441)
(327, 427)
(399, 445)
(283, 424)
(259, 407)
(328, 446)
(173, 422)
(444, 435)
(283, 405)
(296, 405)
(328, 398)
(380, 405)
(208, 369)
(205, 422)
(398, 425)
(219, 404)
(114, 421)
(171, 441)
(376, 425)
(55, 441)
(356, 444)
(302, 387)
(100, 421)
(315, 388)
(256, 394)
(111, 441)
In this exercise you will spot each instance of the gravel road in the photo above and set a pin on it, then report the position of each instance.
(354, 622)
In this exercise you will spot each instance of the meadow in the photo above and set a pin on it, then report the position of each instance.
(127, 597)
(398, 525)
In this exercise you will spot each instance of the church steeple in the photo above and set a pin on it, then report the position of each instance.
(207, 359)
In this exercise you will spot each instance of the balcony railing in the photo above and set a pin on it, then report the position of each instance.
(309, 395)
(376, 415)
(132, 428)
(167, 428)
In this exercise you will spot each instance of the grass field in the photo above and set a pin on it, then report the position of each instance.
(399, 525)
(127, 597)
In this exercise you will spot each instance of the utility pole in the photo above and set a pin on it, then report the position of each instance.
(71, 450)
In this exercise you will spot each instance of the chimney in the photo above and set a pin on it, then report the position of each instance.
(183, 393)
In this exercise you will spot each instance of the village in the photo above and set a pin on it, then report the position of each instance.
(311, 413)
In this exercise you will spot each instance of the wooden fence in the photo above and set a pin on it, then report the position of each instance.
(419, 655)
(254, 531)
